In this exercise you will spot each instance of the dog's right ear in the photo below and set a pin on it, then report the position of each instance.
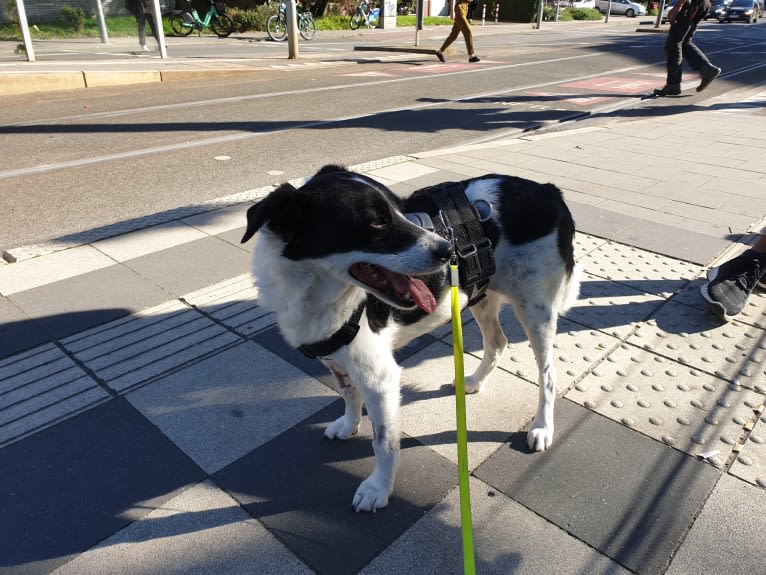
(281, 210)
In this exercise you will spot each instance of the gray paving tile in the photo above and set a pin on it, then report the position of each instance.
(193, 265)
(69, 306)
(300, 486)
(728, 536)
(41, 387)
(67, 488)
(508, 538)
(505, 406)
(133, 351)
(675, 242)
(629, 497)
(599, 222)
(227, 405)
(200, 531)
(17, 331)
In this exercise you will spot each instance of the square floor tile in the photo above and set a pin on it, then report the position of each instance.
(227, 405)
(199, 532)
(193, 265)
(71, 486)
(508, 539)
(300, 485)
(629, 497)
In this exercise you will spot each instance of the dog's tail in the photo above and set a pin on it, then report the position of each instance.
(570, 288)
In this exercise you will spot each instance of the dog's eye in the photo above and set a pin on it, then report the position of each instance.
(378, 223)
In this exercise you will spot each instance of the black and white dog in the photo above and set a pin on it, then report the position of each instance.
(339, 252)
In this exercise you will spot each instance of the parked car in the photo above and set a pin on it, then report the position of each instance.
(741, 10)
(577, 4)
(627, 7)
(716, 9)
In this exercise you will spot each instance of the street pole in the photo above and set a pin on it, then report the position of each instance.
(101, 23)
(25, 30)
(292, 31)
(160, 30)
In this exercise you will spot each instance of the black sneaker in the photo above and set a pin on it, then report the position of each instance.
(474, 59)
(730, 284)
(668, 90)
(708, 77)
(440, 56)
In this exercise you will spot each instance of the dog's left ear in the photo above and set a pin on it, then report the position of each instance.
(280, 210)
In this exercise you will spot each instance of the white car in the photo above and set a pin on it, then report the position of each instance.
(577, 4)
(630, 9)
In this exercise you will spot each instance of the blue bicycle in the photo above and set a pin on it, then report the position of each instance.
(182, 23)
(363, 14)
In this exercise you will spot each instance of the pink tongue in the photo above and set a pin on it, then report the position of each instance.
(422, 296)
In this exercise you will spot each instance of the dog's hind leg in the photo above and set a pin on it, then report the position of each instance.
(538, 316)
(348, 424)
(486, 312)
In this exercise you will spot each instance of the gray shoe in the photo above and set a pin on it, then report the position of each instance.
(730, 284)
(707, 77)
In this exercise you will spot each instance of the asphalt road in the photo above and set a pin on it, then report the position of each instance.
(85, 159)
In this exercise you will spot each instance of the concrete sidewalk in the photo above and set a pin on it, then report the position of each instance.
(152, 420)
(86, 62)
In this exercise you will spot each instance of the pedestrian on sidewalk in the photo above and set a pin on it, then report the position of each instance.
(679, 46)
(729, 285)
(461, 25)
(143, 11)
(471, 9)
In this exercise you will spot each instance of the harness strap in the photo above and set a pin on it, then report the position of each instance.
(344, 336)
(460, 222)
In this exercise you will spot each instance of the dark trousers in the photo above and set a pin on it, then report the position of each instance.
(142, 18)
(679, 47)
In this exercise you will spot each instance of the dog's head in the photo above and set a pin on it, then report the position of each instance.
(351, 226)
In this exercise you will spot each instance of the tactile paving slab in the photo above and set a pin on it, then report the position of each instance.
(750, 464)
(135, 350)
(41, 387)
(695, 338)
(233, 303)
(612, 307)
(586, 243)
(575, 349)
(645, 271)
(683, 407)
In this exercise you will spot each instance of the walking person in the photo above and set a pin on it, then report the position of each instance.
(143, 11)
(679, 46)
(461, 25)
(729, 285)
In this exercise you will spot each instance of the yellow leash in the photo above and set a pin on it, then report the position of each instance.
(469, 566)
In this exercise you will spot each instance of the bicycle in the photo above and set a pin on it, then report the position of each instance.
(182, 23)
(276, 25)
(363, 14)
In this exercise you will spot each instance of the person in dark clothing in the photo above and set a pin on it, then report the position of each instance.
(471, 8)
(683, 18)
(143, 11)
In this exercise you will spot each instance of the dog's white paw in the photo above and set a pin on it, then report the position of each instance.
(471, 385)
(341, 428)
(369, 497)
(539, 437)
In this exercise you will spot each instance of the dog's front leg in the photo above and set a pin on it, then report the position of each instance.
(540, 435)
(348, 424)
(383, 410)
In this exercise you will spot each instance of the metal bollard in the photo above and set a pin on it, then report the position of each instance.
(483, 13)
(497, 12)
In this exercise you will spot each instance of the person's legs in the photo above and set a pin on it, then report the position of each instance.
(141, 24)
(150, 19)
(450, 39)
(461, 21)
(698, 60)
(729, 285)
(674, 56)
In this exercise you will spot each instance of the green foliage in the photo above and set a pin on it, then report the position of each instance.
(74, 16)
(584, 14)
(427, 21)
(251, 20)
(12, 13)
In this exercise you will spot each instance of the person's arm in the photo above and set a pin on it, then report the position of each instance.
(673, 12)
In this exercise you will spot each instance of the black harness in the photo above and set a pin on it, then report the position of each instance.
(458, 221)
